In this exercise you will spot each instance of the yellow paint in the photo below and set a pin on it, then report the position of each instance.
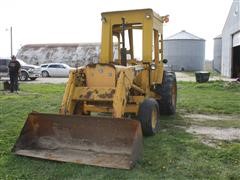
(110, 87)
(93, 93)
(100, 76)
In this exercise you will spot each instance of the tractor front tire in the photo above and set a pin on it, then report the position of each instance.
(168, 92)
(148, 115)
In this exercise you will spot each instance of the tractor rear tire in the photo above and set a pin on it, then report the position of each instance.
(148, 115)
(168, 93)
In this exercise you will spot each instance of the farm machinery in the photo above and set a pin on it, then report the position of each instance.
(107, 107)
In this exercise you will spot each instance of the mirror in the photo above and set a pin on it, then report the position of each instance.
(165, 61)
(152, 66)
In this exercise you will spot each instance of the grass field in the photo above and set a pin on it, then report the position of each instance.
(171, 154)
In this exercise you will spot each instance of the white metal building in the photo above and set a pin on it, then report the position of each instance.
(231, 42)
(217, 59)
(184, 52)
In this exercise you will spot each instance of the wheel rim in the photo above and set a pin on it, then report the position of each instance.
(44, 74)
(154, 118)
(23, 76)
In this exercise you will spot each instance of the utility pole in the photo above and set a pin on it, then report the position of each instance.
(11, 41)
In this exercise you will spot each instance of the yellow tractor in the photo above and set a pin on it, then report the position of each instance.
(107, 106)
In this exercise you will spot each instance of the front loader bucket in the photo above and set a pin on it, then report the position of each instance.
(106, 142)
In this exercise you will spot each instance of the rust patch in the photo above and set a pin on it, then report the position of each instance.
(112, 91)
(115, 143)
(107, 95)
(95, 93)
(88, 95)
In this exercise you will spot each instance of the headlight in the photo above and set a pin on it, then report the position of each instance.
(30, 70)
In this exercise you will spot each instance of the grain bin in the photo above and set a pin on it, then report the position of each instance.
(184, 52)
(217, 57)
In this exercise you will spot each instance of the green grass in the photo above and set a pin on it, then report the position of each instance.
(171, 154)
(212, 97)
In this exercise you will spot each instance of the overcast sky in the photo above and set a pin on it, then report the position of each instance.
(76, 21)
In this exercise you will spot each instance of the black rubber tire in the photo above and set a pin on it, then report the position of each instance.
(45, 74)
(33, 78)
(23, 76)
(145, 113)
(168, 92)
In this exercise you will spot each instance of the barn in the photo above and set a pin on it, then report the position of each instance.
(230, 65)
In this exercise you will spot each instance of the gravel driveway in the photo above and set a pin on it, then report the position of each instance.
(41, 80)
(181, 76)
(47, 80)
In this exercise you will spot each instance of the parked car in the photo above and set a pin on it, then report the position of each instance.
(27, 71)
(4, 67)
(55, 70)
(43, 66)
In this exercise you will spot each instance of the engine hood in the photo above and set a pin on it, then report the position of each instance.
(26, 66)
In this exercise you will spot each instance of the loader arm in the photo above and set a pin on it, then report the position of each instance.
(113, 95)
(124, 83)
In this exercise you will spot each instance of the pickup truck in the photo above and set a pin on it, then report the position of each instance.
(28, 71)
